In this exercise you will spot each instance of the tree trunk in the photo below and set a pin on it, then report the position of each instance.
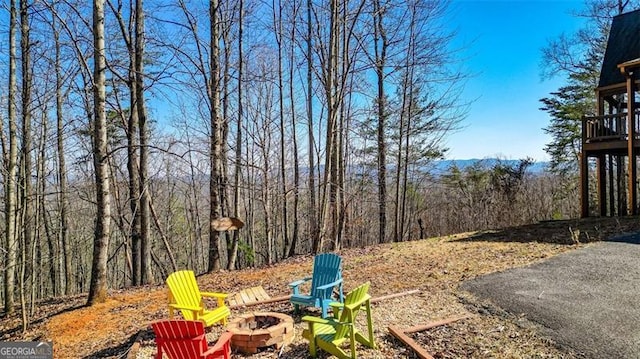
(404, 113)
(329, 207)
(98, 286)
(225, 27)
(313, 215)
(62, 170)
(410, 102)
(133, 165)
(165, 240)
(380, 47)
(10, 181)
(277, 22)
(215, 154)
(233, 249)
(294, 136)
(26, 209)
(51, 240)
(145, 236)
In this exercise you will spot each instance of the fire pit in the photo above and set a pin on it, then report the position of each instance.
(260, 330)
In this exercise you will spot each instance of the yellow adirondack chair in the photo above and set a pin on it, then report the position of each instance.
(332, 334)
(185, 296)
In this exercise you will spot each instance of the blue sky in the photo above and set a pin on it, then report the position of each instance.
(506, 38)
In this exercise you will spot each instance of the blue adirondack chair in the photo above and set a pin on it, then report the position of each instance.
(327, 274)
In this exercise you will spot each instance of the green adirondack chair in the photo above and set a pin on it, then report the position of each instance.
(327, 274)
(333, 334)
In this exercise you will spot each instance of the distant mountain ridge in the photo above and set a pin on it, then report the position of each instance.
(444, 165)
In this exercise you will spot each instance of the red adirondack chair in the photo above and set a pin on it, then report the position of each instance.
(185, 339)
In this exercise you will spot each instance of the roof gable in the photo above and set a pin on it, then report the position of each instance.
(623, 45)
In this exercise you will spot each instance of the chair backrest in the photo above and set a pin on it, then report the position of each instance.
(184, 291)
(180, 338)
(327, 268)
(352, 303)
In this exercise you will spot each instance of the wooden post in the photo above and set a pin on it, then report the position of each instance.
(584, 178)
(631, 126)
(612, 199)
(601, 106)
(602, 184)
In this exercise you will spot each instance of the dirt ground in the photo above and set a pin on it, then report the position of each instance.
(434, 266)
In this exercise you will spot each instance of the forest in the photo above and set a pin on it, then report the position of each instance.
(127, 128)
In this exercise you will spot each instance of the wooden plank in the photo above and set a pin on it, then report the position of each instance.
(133, 351)
(251, 293)
(245, 297)
(271, 300)
(235, 299)
(260, 293)
(419, 328)
(255, 293)
(248, 295)
(420, 351)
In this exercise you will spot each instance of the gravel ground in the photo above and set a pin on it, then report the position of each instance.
(483, 335)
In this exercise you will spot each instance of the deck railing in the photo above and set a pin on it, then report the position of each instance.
(609, 127)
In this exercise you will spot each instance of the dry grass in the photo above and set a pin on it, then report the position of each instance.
(435, 266)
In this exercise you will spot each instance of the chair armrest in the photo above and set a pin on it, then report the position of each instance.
(185, 307)
(220, 297)
(336, 309)
(317, 320)
(330, 285)
(300, 281)
(214, 295)
(222, 341)
(311, 320)
(353, 305)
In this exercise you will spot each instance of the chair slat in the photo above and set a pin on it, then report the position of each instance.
(331, 334)
(185, 292)
(185, 339)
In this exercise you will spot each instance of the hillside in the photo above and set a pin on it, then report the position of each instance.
(435, 266)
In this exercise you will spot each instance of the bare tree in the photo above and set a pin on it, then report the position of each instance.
(336, 65)
(381, 43)
(216, 192)
(145, 235)
(137, 137)
(25, 173)
(133, 161)
(62, 167)
(278, 32)
(98, 287)
(10, 180)
(314, 228)
(233, 248)
(294, 8)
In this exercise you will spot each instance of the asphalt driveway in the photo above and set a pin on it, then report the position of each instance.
(587, 299)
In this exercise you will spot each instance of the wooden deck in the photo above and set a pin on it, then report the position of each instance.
(608, 134)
